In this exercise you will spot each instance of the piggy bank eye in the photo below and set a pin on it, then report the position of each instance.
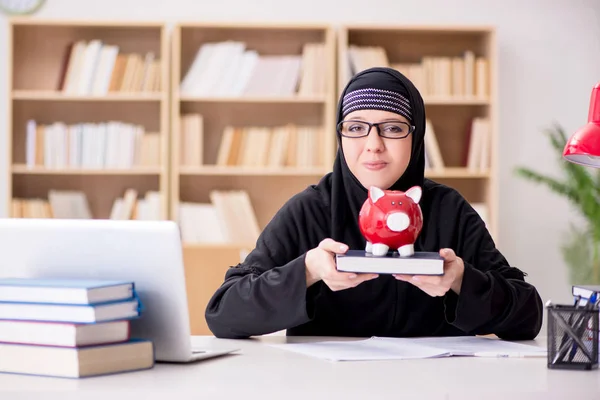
(399, 203)
(393, 203)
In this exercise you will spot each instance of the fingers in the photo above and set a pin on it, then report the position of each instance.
(339, 282)
(421, 279)
(432, 285)
(333, 246)
(448, 255)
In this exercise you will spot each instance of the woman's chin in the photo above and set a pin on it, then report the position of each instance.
(382, 183)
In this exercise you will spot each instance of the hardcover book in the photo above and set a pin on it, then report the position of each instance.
(420, 263)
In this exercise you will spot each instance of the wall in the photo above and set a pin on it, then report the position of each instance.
(549, 54)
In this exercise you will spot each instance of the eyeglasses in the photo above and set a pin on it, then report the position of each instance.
(389, 129)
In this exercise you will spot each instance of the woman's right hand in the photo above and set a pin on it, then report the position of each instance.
(320, 265)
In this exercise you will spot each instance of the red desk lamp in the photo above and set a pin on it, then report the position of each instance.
(584, 146)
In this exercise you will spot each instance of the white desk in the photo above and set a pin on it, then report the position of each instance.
(263, 372)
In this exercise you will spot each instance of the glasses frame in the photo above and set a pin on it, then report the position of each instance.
(411, 128)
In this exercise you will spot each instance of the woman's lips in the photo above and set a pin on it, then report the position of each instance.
(375, 165)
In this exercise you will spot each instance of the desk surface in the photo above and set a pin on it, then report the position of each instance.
(259, 371)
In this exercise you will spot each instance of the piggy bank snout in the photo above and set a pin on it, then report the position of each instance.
(398, 221)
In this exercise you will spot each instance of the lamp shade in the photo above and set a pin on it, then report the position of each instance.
(584, 146)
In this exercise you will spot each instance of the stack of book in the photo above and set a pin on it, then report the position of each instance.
(70, 328)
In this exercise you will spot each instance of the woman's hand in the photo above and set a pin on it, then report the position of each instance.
(454, 268)
(320, 265)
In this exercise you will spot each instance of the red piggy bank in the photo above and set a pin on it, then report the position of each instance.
(391, 220)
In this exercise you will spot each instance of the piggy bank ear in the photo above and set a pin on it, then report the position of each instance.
(415, 193)
(375, 194)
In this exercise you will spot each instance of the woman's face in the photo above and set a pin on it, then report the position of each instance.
(375, 160)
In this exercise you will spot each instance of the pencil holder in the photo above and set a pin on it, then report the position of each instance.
(572, 337)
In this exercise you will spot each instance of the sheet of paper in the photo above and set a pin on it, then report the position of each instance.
(380, 348)
(473, 345)
(363, 350)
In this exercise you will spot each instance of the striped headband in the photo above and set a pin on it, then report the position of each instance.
(376, 99)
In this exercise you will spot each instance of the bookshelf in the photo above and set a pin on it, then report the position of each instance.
(88, 118)
(241, 95)
(454, 68)
(250, 113)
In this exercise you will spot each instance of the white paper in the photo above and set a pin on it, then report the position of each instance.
(474, 346)
(378, 348)
(369, 349)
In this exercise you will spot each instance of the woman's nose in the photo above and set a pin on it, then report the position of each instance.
(374, 141)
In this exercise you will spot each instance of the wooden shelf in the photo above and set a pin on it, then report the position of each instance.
(256, 99)
(436, 50)
(192, 184)
(455, 101)
(24, 169)
(35, 93)
(228, 171)
(59, 96)
(456, 172)
(218, 246)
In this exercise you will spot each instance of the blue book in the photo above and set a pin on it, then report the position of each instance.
(73, 313)
(421, 263)
(64, 291)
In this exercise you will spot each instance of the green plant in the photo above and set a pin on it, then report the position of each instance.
(581, 186)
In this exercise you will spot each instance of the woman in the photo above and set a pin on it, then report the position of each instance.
(289, 281)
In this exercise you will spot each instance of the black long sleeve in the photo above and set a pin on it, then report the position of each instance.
(494, 297)
(267, 292)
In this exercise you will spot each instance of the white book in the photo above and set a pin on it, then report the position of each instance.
(89, 66)
(106, 63)
(30, 144)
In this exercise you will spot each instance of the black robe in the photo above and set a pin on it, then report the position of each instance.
(268, 293)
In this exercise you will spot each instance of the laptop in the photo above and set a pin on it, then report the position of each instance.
(149, 253)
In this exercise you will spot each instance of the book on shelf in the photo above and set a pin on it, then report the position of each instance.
(191, 141)
(231, 68)
(420, 263)
(479, 137)
(459, 76)
(111, 144)
(228, 218)
(433, 155)
(132, 206)
(288, 145)
(97, 68)
(73, 204)
(477, 153)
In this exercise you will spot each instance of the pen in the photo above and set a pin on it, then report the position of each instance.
(582, 326)
(563, 348)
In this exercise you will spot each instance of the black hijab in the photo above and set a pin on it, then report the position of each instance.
(347, 193)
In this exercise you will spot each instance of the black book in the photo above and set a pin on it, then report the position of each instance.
(420, 263)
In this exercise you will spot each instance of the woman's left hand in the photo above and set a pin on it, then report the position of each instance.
(438, 285)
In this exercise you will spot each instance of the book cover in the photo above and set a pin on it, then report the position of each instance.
(63, 334)
(585, 291)
(64, 291)
(421, 263)
(133, 355)
(74, 313)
